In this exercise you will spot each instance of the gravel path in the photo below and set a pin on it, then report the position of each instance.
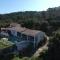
(45, 47)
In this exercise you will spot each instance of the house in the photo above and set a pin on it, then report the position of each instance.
(25, 34)
(34, 36)
(30, 40)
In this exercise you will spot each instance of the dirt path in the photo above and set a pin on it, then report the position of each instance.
(41, 49)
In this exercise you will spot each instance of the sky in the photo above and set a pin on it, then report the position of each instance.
(8, 6)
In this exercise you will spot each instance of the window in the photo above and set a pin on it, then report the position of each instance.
(18, 34)
(36, 38)
(31, 38)
(24, 37)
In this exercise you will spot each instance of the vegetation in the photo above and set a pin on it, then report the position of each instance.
(54, 48)
(53, 52)
(44, 20)
(4, 43)
(47, 21)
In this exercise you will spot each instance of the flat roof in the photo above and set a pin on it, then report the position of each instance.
(30, 32)
(23, 30)
(18, 29)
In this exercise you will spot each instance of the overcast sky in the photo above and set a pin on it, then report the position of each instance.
(7, 6)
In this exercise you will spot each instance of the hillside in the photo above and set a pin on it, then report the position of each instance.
(47, 21)
(39, 20)
(50, 14)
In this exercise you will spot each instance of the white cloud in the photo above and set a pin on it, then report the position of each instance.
(54, 3)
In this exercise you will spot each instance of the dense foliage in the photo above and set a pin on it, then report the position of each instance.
(53, 52)
(54, 48)
(47, 21)
(50, 19)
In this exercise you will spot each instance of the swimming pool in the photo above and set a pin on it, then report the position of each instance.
(14, 39)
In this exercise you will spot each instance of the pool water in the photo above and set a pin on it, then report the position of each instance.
(14, 38)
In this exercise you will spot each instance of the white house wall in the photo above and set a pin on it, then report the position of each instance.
(40, 37)
(13, 32)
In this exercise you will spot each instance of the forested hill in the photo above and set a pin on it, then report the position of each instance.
(33, 19)
(50, 14)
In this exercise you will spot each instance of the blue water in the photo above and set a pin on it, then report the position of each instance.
(14, 38)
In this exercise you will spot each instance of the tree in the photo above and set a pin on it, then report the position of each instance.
(28, 24)
(54, 48)
(44, 26)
